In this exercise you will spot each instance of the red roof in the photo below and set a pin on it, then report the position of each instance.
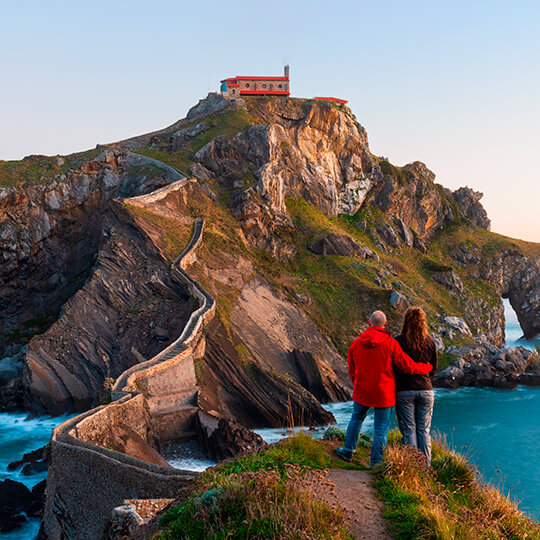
(234, 79)
(337, 100)
(263, 78)
(232, 84)
(264, 92)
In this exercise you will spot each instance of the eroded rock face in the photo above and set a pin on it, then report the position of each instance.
(50, 238)
(517, 278)
(319, 378)
(415, 202)
(66, 367)
(469, 203)
(314, 152)
(271, 327)
(250, 393)
(222, 438)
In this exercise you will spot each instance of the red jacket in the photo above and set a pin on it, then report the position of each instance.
(371, 357)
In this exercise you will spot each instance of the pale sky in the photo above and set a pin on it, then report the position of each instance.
(451, 83)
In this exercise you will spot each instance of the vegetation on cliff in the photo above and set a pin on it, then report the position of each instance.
(271, 494)
(447, 501)
(265, 495)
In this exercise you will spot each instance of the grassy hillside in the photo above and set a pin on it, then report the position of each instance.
(448, 501)
(41, 169)
(270, 495)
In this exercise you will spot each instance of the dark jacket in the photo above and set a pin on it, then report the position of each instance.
(428, 355)
(371, 357)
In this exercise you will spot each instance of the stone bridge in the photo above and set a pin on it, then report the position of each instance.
(89, 475)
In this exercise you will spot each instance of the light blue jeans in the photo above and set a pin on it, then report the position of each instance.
(382, 421)
(414, 409)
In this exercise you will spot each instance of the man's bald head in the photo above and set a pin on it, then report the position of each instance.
(378, 318)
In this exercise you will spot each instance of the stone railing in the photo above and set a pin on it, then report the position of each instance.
(156, 398)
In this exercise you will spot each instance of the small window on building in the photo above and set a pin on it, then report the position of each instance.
(264, 85)
(247, 85)
(280, 86)
(234, 91)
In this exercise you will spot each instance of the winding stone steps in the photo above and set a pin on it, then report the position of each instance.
(87, 480)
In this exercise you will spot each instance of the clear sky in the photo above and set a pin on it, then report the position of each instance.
(453, 84)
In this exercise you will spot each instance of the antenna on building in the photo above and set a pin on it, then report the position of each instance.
(286, 71)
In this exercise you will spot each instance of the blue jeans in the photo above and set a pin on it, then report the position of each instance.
(382, 421)
(414, 409)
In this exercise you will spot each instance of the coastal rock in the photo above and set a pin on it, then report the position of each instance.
(517, 278)
(16, 498)
(459, 324)
(222, 438)
(485, 365)
(253, 394)
(65, 367)
(30, 457)
(318, 377)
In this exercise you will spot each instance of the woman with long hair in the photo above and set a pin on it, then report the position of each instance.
(414, 393)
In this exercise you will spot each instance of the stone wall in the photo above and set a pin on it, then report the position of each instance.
(153, 401)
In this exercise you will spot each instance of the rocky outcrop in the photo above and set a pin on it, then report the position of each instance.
(410, 196)
(485, 365)
(306, 150)
(222, 438)
(66, 368)
(210, 105)
(468, 201)
(318, 377)
(251, 394)
(517, 278)
(271, 326)
(19, 503)
(340, 244)
(51, 234)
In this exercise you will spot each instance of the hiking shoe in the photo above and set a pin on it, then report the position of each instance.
(341, 454)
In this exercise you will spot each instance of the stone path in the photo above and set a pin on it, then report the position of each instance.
(354, 491)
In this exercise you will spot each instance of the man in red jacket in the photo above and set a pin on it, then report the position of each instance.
(371, 358)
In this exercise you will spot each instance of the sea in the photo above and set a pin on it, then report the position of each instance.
(498, 430)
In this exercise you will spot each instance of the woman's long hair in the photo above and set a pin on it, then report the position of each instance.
(415, 328)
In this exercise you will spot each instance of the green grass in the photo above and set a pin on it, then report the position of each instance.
(447, 501)
(227, 124)
(262, 496)
(41, 169)
(170, 234)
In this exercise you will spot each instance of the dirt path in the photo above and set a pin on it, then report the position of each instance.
(354, 491)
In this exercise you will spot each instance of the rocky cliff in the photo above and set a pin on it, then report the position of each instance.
(66, 276)
(307, 232)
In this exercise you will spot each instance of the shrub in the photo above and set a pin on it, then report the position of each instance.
(334, 434)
